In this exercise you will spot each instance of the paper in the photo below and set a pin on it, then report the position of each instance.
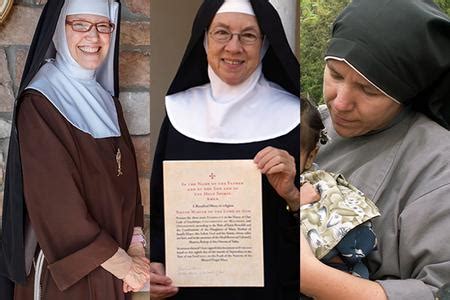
(213, 223)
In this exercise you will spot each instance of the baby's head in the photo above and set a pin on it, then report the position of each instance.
(311, 133)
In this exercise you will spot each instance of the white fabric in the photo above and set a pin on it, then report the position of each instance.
(93, 7)
(237, 6)
(79, 95)
(83, 102)
(255, 110)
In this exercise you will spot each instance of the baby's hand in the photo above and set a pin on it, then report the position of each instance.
(308, 194)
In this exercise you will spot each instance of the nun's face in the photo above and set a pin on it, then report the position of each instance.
(234, 61)
(356, 106)
(90, 48)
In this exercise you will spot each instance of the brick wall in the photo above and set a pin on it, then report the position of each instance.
(15, 37)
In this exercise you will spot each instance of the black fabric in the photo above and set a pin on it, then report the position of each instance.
(12, 257)
(279, 63)
(280, 228)
(402, 46)
(6, 288)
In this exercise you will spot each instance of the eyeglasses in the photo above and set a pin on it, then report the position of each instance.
(86, 26)
(224, 36)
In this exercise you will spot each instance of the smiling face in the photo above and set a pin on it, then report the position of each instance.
(233, 61)
(89, 49)
(356, 106)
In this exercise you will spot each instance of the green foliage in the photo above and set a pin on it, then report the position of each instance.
(316, 19)
(445, 5)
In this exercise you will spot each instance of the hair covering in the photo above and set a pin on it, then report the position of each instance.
(15, 230)
(225, 113)
(97, 7)
(400, 46)
(240, 6)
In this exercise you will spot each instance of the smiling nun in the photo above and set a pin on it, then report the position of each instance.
(236, 95)
(71, 165)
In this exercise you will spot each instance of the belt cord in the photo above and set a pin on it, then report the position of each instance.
(37, 276)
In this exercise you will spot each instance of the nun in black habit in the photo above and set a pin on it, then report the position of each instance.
(236, 96)
(72, 206)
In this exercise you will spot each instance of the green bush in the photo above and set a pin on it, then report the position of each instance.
(316, 19)
(445, 5)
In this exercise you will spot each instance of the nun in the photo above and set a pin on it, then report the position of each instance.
(387, 92)
(72, 216)
(236, 96)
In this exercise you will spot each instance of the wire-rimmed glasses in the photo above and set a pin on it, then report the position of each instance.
(223, 36)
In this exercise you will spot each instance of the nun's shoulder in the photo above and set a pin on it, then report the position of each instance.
(34, 108)
(32, 97)
(281, 94)
(185, 97)
(34, 100)
(430, 133)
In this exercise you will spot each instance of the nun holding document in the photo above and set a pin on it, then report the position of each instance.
(72, 216)
(236, 96)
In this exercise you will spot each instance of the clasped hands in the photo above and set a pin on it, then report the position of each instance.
(139, 274)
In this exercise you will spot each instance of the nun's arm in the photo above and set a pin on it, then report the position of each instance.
(423, 245)
(72, 241)
(322, 282)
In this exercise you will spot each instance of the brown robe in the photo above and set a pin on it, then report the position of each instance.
(80, 210)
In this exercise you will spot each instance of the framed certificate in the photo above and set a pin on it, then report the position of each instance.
(213, 223)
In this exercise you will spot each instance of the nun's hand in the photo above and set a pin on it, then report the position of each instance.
(138, 275)
(135, 250)
(160, 285)
(279, 167)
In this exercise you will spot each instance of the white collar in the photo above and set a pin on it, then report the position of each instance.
(82, 102)
(236, 6)
(255, 110)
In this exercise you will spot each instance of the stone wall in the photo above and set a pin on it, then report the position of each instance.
(15, 37)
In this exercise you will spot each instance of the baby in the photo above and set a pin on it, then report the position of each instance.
(334, 215)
